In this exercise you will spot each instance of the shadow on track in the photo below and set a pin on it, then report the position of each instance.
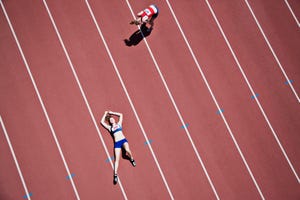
(138, 36)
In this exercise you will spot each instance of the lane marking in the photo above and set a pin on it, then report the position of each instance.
(214, 98)
(70, 176)
(40, 99)
(253, 93)
(177, 110)
(186, 125)
(292, 12)
(27, 196)
(12, 149)
(288, 82)
(255, 96)
(272, 50)
(220, 111)
(82, 92)
(148, 142)
(112, 158)
(129, 98)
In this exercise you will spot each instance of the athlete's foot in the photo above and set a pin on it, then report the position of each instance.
(133, 162)
(115, 179)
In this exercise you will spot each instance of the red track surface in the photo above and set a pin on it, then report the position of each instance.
(213, 134)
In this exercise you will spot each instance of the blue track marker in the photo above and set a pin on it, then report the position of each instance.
(185, 126)
(289, 81)
(70, 176)
(254, 96)
(109, 159)
(26, 196)
(148, 142)
(220, 111)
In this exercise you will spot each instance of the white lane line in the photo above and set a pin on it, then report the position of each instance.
(292, 12)
(40, 100)
(273, 52)
(15, 158)
(178, 112)
(82, 92)
(253, 93)
(129, 99)
(215, 101)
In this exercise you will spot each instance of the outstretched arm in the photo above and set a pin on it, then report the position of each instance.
(107, 126)
(120, 115)
(138, 19)
(140, 13)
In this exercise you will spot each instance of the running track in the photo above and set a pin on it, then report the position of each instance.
(210, 99)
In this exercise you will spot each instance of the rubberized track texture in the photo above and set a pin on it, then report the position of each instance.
(209, 95)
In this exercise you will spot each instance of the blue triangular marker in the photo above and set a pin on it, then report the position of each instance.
(185, 126)
(71, 176)
(220, 111)
(110, 159)
(289, 81)
(254, 96)
(148, 142)
(26, 196)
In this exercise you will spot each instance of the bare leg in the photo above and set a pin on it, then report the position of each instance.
(129, 154)
(127, 149)
(117, 159)
(116, 164)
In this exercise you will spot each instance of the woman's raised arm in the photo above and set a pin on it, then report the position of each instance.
(107, 126)
(120, 115)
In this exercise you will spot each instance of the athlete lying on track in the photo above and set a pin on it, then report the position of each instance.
(115, 128)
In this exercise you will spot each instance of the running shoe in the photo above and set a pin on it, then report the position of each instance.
(133, 162)
(115, 179)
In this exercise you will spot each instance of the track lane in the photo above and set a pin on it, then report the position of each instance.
(96, 73)
(24, 120)
(235, 96)
(236, 103)
(295, 13)
(195, 102)
(284, 38)
(87, 55)
(282, 34)
(264, 78)
(10, 182)
(64, 102)
(151, 101)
